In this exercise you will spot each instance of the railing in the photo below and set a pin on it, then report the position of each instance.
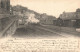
(9, 30)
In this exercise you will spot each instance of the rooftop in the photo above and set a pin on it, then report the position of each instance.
(70, 15)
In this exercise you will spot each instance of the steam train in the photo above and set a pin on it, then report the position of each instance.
(28, 20)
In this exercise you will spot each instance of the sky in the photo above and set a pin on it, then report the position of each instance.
(50, 7)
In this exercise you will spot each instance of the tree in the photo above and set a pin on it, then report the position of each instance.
(78, 10)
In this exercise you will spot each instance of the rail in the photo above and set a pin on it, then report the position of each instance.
(10, 29)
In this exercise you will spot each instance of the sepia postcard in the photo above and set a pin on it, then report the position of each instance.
(39, 25)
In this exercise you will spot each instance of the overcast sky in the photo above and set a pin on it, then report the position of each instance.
(51, 7)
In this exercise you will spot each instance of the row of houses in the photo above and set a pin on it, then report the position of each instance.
(69, 19)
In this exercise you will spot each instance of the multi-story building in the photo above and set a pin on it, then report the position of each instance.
(47, 19)
(4, 6)
(4, 13)
(71, 19)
